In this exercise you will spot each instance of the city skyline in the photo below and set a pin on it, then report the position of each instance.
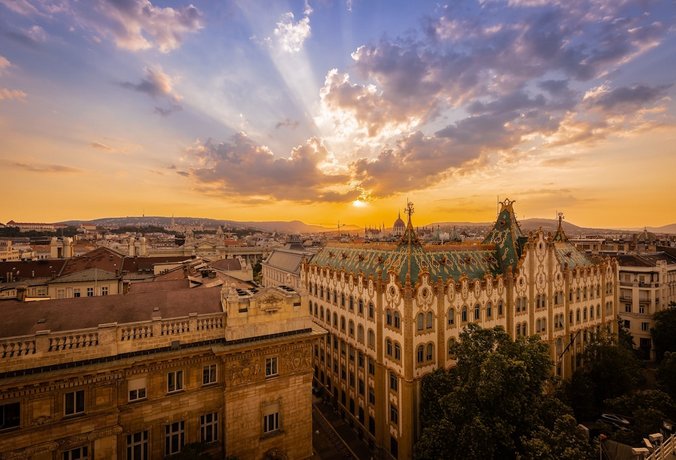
(327, 111)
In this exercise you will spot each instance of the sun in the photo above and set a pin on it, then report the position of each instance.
(359, 203)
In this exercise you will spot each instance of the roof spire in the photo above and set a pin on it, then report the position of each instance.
(560, 234)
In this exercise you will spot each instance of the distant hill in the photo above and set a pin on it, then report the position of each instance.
(671, 228)
(294, 226)
(527, 225)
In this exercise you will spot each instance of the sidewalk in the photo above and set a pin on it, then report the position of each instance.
(356, 448)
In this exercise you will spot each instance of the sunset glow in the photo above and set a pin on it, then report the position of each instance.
(338, 110)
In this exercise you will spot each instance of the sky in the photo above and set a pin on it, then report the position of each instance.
(338, 112)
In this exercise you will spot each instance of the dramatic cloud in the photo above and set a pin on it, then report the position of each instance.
(4, 64)
(45, 168)
(243, 168)
(160, 86)
(11, 94)
(492, 82)
(132, 24)
(291, 35)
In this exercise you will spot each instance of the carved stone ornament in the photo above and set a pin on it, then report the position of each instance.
(270, 303)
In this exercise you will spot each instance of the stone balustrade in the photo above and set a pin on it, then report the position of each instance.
(46, 348)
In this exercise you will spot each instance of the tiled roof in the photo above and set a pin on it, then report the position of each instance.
(101, 258)
(286, 260)
(444, 261)
(568, 254)
(22, 270)
(226, 264)
(507, 236)
(89, 274)
(22, 318)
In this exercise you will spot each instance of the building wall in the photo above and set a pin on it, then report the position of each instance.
(69, 290)
(643, 292)
(540, 297)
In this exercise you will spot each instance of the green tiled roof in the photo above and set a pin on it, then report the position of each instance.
(567, 253)
(447, 261)
(506, 235)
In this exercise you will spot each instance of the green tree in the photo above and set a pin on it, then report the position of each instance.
(666, 373)
(492, 403)
(663, 332)
(646, 409)
(610, 370)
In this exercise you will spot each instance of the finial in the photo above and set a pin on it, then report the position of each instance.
(409, 210)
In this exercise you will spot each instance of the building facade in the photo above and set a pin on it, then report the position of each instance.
(647, 286)
(141, 376)
(393, 310)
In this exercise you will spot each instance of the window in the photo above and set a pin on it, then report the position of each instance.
(74, 403)
(388, 317)
(174, 437)
(429, 324)
(394, 414)
(420, 320)
(477, 312)
(137, 446)
(104, 290)
(271, 366)
(80, 453)
(627, 324)
(360, 333)
(397, 351)
(397, 320)
(350, 328)
(645, 326)
(209, 374)
(174, 381)
(342, 323)
(394, 381)
(430, 352)
(450, 320)
(271, 422)
(372, 396)
(500, 307)
(76, 292)
(209, 427)
(10, 415)
(489, 310)
(372, 311)
(137, 388)
(464, 313)
(388, 347)
(420, 353)
(361, 307)
(90, 292)
(372, 367)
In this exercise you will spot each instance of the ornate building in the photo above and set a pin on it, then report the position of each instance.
(140, 376)
(392, 310)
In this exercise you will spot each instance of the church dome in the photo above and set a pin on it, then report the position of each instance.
(399, 226)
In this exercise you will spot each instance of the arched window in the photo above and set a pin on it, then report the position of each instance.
(321, 312)
(372, 311)
(500, 307)
(350, 328)
(430, 320)
(342, 299)
(591, 312)
(598, 310)
(489, 310)
(388, 347)
(310, 306)
(388, 317)
(477, 312)
(464, 313)
(397, 320)
(371, 339)
(361, 307)
(450, 345)
(577, 316)
(335, 320)
(360, 333)
(342, 323)
(430, 352)
(450, 318)
(321, 292)
(544, 325)
(420, 320)
(570, 318)
(584, 314)
(335, 297)
(351, 305)
(421, 354)
(397, 351)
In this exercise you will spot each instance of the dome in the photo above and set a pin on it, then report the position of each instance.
(399, 226)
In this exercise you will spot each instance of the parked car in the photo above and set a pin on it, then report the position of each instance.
(615, 419)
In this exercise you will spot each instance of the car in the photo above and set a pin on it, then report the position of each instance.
(615, 419)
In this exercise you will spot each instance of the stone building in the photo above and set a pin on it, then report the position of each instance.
(392, 310)
(140, 376)
(647, 286)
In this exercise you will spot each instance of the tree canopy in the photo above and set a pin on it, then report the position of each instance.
(493, 404)
(663, 332)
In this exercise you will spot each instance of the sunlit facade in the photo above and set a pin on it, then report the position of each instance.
(393, 310)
